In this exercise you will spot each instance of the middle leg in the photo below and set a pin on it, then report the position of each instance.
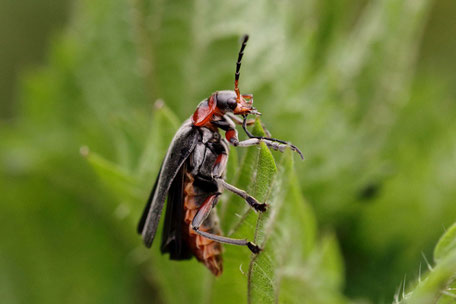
(253, 202)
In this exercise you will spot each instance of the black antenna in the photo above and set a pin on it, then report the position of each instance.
(238, 67)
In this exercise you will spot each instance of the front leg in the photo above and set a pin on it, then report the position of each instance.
(274, 144)
(238, 120)
(249, 122)
(231, 134)
(232, 137)
(256, 141)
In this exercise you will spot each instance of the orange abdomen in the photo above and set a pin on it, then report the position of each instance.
(205, 250)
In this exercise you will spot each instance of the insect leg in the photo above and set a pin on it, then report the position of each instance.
(274, 144)
(253, 202)
(256, 141)
(203, 213)
(239, 121)
(249, 122)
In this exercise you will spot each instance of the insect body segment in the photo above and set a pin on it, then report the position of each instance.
(204, 112)
(192, 177)
(205, 250)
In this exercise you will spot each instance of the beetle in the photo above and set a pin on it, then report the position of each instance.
(192, 178)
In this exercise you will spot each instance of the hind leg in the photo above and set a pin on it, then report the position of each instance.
(202, 214)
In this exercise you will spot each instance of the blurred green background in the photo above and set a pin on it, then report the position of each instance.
(365, 88)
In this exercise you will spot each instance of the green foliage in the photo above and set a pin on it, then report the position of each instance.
(309, 269)
(337, 78)
(446, 245)
(439, 284)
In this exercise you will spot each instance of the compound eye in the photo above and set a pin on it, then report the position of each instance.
(232, 104)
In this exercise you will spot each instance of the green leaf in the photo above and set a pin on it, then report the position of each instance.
(446, 244)
(331, 262)
(163, 126)
(436, 286)
(115, 178)
(287, 232)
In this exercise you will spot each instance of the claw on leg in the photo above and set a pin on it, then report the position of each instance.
(256, 205)
(248, 198)
(254, 248)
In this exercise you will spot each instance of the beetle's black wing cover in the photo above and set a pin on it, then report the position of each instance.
(180, 149)
(142, 221)
(172, 241)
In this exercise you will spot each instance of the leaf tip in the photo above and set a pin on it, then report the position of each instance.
(84, 151)
(159, 103)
